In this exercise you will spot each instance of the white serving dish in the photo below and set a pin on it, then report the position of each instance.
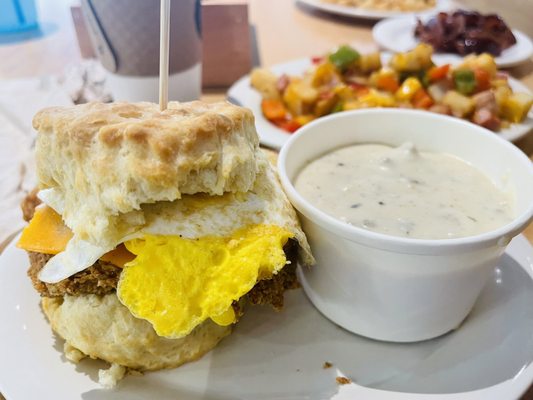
(366, 13)
(243, 94)
(392, 288)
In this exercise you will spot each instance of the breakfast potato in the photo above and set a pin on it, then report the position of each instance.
(516, 106)
(437, 91)
(345, 79)
(415, 60)
(299, 97)
(460, 105)
(408, 89)
(344, 92)
(265, 82)
(385, 79)
(483, 61)
(370, 62)
(304, 119)
(502, 93)
(375, 98)
(325, 104)
(325, 74)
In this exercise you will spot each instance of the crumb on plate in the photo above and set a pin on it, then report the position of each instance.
(108, 378)
(342, 380)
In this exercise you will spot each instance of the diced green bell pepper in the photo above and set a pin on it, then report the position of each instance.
(344, 57)
(464, 80)
(337, 108)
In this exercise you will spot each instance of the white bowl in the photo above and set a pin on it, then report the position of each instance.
(393, 288)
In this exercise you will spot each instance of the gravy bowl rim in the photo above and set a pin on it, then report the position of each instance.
(501, 235)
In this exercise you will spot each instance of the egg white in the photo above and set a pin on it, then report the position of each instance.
(193, 216)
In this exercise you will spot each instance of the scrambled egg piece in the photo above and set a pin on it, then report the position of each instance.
(176, 283)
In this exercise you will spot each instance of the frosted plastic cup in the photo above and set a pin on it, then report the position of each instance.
(125, 35)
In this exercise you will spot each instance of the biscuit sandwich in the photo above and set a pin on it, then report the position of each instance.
(151, 231)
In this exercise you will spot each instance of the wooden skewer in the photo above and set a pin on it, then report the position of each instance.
(164, 40)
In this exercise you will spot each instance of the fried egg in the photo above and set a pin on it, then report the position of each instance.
(193, 216)
(193, 257)
(177, 283)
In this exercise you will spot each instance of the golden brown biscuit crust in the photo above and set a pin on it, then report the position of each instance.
(106, 159)
(101, 327)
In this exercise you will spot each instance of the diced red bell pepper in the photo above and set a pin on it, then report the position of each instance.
(317, 59)
(438, 73)
(326, 95)
(482, 79)
(359, 89)
(288, 125)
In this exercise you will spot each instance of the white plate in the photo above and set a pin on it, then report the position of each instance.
(397, 35)
(281, 355)
(242, 93)
(358, 12)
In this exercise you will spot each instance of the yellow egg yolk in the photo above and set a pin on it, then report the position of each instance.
(177, 283)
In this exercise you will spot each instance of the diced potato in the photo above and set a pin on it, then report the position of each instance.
(369, 62)
(325, 104)
(374, 77)
(353, 105)
(408, 89)
(437, 90)
(483, 61)
(299, 97)
(415, 60)
(265, 82)
(377, 99)
(384, 79)
(496, 83)
(304, 119)
(460, 105)
(505, 124)
(325, 74)
(344, 92)
(516, 106)
(502, 93)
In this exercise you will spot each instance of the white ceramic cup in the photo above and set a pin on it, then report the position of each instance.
(393, 288)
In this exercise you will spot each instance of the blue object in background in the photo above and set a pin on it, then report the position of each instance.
(17, 16)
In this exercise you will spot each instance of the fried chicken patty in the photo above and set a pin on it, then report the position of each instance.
(102, 277)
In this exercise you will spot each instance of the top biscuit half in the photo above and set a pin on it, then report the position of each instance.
(106, 159)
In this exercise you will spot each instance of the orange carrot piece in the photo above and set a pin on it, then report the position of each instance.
(422, 99)
(388, 82)
(482, 79)
(273, 109)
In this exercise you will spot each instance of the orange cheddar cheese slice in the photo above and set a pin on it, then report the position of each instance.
(46, 233)
(118, 256)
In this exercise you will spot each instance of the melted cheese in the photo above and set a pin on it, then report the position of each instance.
(176, 283)
(46, 233)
